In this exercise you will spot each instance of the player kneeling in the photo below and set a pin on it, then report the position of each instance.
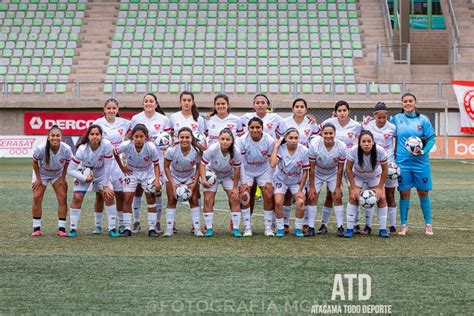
(142, 169)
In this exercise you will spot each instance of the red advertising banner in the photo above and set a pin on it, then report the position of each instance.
(72, 123)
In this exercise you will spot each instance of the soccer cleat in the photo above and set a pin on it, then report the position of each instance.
(299, 232)
(340, 231)
(356, 229)
(287, 229)
(72, 233)
(97, 230)
(198, 233)
(310, 232)
(248, 232)
(367, 231)
(305, 228)
(383, 233)
(114, 233)
(36, 233)
(154, 233)
(322, 230)
(158, 227)
(269, 233)
(280, 233)
(403, 230)
(62, 233)
(349, 233)
(121, 229)
(169, 232)
(393, 230)
(429, 230)
(136, 227)
(126, 233)
(209, 232)
(236, 232)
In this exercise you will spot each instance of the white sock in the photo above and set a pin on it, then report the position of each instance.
(351, 211)
(120, 217)
(137, 208)
(356, 217)
(369, 216)
(246, 217)
(299, 223)
(151, 221)
(98, 219)
(74, 214)
(274, 219)
(326, 215)
(61, 223)
(312, 213)
(235, 216)
(268, 219)
(339, 210)
(382, 212)
(159, 208)
(305, 216)
(392, 214)
(209, 219)
(127, 220)
(36, 222)
(286, 214)
(196, 217)
(170, 217)
(111, 212)
(280, 223)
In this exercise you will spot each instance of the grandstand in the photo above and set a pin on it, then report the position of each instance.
(60, 54)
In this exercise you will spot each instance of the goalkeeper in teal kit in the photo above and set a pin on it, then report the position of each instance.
(414, 166)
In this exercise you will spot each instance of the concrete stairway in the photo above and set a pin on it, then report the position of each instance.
(428, 47)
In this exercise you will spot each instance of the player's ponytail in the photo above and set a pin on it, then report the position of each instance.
(373, 151)
(47, 155)
(231, 147)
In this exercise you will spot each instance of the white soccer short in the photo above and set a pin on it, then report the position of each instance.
(45, 179)
(96, 185)
(186, 181)
(262, 178)
(137, 177)
(227, 184)
(280, 187)
(391, 183)
(320, 179)
(117, 177)
(370, 180)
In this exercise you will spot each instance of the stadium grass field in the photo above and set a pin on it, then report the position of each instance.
(415, 274)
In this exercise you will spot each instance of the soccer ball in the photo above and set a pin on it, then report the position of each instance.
(200, 137)
(183, 193)
(164, 140)
(393, 171)
(150, 186)
(211, 177)
(312, 138)
(85, 171)
(367, 199)
(412, 143)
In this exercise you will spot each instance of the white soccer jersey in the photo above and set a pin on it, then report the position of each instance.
(290, 167)
(383, 136)
(178, 121)
(367, 170)
(326, 162)
(94, 159)
(271, 121)
(114, 132)
(56, 160)
(306, 129)
(215, 125)
(223, 166)
(346, 134)
(139, 161)
(156, 124)
(182, 167)
(255, 155)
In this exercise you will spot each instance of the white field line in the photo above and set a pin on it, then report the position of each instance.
(467, 162)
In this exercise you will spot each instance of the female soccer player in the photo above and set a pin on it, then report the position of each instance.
(256, 147)
(347, 131)
(271, 121)
(94, 153)
(366, 165)
(142, 167)
(224, 159)
(180, 169)
(384, 135)
(221, 118)
(292, 160)
(114, 128)
(415, 168)
(156, 122)
(327, 156)
(50, 163)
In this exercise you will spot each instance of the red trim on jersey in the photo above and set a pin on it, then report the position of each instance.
(203, 161)
(75, 160)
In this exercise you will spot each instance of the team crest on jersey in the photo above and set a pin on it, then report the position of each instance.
(194, 127)
(386, 136)
(157, 127)
(335, 159)
(299, 164)
(193, 162)
(419, 128)
(62, 160)
(269, 125)
(264, 153)
(146, 158)
(230, 126)
(120, 131)
(307, 132)
(350, 135)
